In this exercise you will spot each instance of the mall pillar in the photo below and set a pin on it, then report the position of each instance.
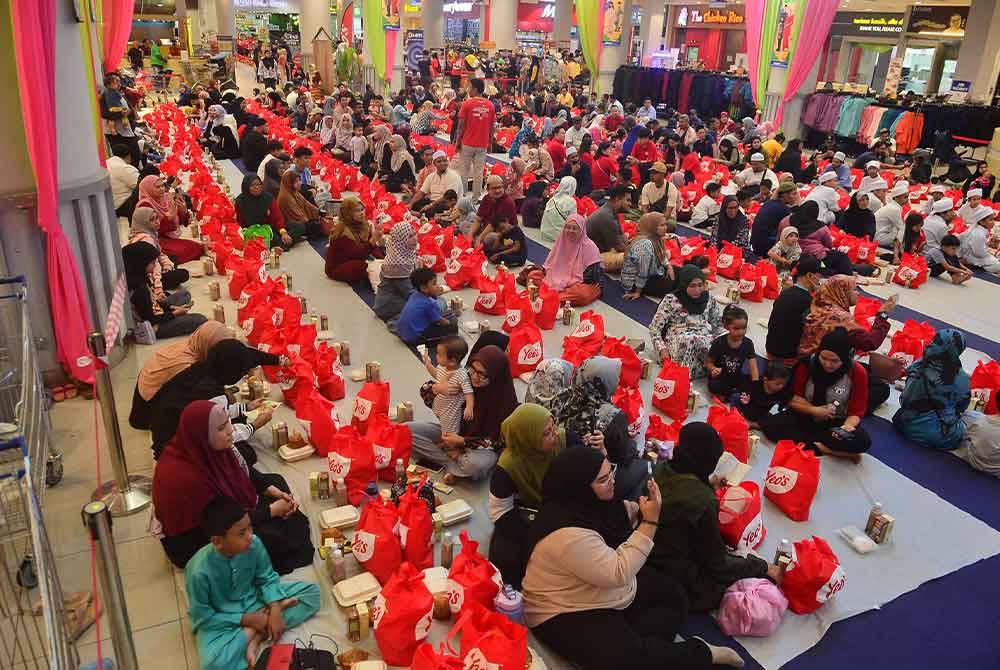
(432, 18)
(399, 67)
(613, 57)
(651, 30)
(978, 59)
(313, 15)
(225, 17)
(184, 27)
(563, 23)
(503, 24)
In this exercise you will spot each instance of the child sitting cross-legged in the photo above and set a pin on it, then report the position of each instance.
(728, 352)
(944, 260)
(757, 399)
(422, 320)
(236, 599)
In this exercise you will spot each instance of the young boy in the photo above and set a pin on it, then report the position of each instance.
(758, 398)
(765, 191)
(442, 209)
(236, 599)
(452, 388)
(507, 245)
(945, 259)
(359, 145)
(728, 352)
(421, 321)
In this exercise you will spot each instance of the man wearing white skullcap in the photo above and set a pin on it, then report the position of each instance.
(826, 197)
(936, 224)
(936, 193)
(889, 226)
(435, 184)
(843, 172)
(975, 250)
(972, 200)
(876, 192)
(757, 172)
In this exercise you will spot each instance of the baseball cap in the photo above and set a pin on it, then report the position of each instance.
(787, 187)
(658, 166)
(756, 157)
(840, 156)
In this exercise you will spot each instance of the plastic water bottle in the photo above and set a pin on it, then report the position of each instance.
(510, 604)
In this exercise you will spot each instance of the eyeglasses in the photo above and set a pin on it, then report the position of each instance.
(608, 478)
(479, 373)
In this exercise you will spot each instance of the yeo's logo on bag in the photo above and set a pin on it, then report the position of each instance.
(426, 228)
(487, 300)
(746, 285)
(585, 329)
(248, 326)
(476, 660)
(663, 388)
(378, 608)
(833, 585)
(687, 250)
(423, 627)
(781, 480)
(363, 547)
(724, 261)
(530, 354)
(752, 534)
(338, 465)
(295, 349)
(383, 456)
(404, 532)
(906, 358)
(452, 267)
(513, 317)
(429, 260)
(636, 426)
(244, 299)
(456, 595)
(362, 408)
(278, 316)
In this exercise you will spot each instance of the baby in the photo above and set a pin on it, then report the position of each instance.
(452, 389)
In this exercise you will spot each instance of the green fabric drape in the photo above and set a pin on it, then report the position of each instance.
(375, 36)
(588, 20)
(769, 30)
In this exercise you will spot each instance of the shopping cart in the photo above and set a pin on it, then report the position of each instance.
(30, 593)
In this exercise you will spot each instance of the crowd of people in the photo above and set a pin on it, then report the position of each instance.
(595, 543)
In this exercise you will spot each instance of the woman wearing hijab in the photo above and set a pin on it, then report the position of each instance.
(273, 171)
(552, 376)
(267, 70)
(829, 399)
(259, 215)
(394, 286)
(574, 266)
(199, 464)
(379, 143)
(646, 269)
(342, 138)
(731, 225)
(587, 593)
(815, 238)
(858, 220)
(353, 241)
(831, 308)
(689, 546)
(465, 215)
(299, 214)
(473, 451)
(168, 320)
(221, 136)
(526, 131)
(168, 362)
(790, 160)
(936, 395)
(585, 408)
(225, 364)
(686, 322)
(559, 208)
(533, 205)
(514, 182)
(171, 213)
(327, 133)
(165, 276)
(397, 170)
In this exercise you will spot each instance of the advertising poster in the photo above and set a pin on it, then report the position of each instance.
(938, 20)
(390, 14)
(413, 48)
(784, 36)
(614, 22)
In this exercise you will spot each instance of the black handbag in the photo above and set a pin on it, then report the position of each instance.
(302, 658)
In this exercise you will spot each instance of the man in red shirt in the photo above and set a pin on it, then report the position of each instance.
(644, 154)
(474, 137)
(557, 149)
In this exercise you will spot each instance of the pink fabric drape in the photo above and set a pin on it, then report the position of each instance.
(754, 10)
(390, 53)
(815, 28)
(35, 50)
(117, 17)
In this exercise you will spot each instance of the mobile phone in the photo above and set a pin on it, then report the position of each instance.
(840, 433)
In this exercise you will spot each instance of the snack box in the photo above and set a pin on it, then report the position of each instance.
(344, 516)
(358, 589)
(265, 406)
(291, 454)
(454, 511)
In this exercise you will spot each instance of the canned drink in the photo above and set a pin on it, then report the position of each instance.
(484, 326)
(324, 322)
(456, 305)
(692, 400)
(646, 367)
(345, 353)
(214, 291)
(274, 262)
(373, 371)
(533, 291)
(219, 313)
(303, 302)
(279, 434)
(287, 278)
(208, 265)
(195, 231)
(205, 242)
(256, 389)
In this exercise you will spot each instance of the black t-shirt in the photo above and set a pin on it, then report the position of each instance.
(754, 403)
(729, 359)
(784, 328)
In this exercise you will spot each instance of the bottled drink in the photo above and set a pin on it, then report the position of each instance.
(510, 604)
(447, 551)
(873, 515)
(336, 567)
(398, 486)
(340, 492)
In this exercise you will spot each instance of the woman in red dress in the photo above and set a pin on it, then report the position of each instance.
(172, 213)
(352, 242)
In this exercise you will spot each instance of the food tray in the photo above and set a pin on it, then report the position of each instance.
(344, 516)
(454, 511)
(291, 455)
(357, 589)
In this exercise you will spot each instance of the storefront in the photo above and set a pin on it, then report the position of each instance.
(859, 48)
(535, 23)
(709, 37)
(933, 38)
(269, 20)
(462, 23)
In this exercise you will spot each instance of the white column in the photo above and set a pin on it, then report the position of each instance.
(650, 29)
(613, 57)
(978, 58)
(206, 19)
(398, 70)
(503, 23)
(563, 21)
(313, 15)
(225, 17)
(432, 18)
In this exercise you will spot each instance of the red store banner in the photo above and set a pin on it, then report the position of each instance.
(536, 16)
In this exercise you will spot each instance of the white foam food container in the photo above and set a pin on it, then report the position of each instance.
(436, 579)
(454, 511)
(290, 455)
(344, 516)
(357, 589)
(369, 665)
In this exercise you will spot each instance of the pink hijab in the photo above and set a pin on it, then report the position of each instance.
(569, 258)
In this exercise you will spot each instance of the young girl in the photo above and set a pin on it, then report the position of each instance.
(786, 251)
(727, 354)
(914, 239)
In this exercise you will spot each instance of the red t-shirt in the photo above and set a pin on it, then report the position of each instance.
(691, 163)
(479, 116)
(601, 171)
(558, 152)
(612, 121)
(645, 152)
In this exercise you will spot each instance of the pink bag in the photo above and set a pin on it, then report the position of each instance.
(752, 607)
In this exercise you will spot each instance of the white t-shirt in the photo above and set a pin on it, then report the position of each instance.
(436, 184)
(574, 137)
(751, 178)
(124, 176)
(889, 226)
(704, 209)
(934, 229)
(651, 194)
(827, 199)
(260, 169)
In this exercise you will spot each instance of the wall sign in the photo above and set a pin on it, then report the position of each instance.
(946, 21)
(866, 23)
(704, 17)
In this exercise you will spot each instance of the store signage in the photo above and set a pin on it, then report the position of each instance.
(866, 23)
(457, 7)
(700, 16)
(948, 21)
(536, 17)
(267, 5)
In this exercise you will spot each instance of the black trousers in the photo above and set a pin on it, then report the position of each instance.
(171, 279)
(640, 637)
(797, 427)
(658, 286)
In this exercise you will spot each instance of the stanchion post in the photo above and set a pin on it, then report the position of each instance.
(125, 494)
(97, 519)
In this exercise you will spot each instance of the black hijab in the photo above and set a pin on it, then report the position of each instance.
(858, 221)
(728, 228)
(805, 218)
(837, 341)
(698, 450)
(272, 177)
(490, 337)
(685, 276)
(568, 501)
(254, 209)
(136, 257)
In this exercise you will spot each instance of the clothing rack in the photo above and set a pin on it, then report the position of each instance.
(705, 91)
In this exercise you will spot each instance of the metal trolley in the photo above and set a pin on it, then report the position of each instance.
(29, 586)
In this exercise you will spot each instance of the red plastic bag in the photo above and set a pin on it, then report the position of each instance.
(525, 349)
(671, 390)
(867, 252)
(519, 311)
(813, 577)
(985, 384)
(659, 429)
(330, 373)
(691, 247)
(425, 658)
(729, 261)
(401, 616)
(673, 251)
(848, 245)
(287, 308)
(741, 521)
(907, 344)
(768, 278)
(631, 365)
(472, 578)
(431, 254)
(298, 381)
(457, 275)
(301, 341)
(865, 310)
(390, 441)
(574, 352)
(375, 544)
(372, 399)
(733, 430)
(590, 330)
(629, 400)
(546, 307)
(912, 271)
(750, 285)
(490, 641)
(792, 479)
(352, 458)
(416, 528)
(320, 419)
(489, 300)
